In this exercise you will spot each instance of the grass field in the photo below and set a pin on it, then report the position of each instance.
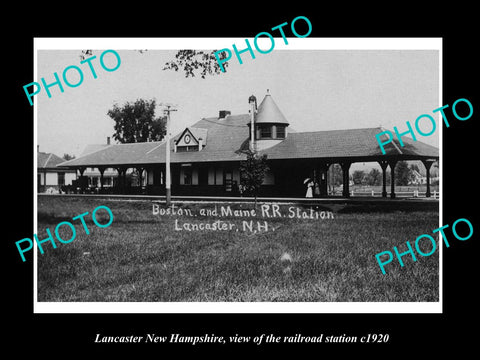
(144, 257)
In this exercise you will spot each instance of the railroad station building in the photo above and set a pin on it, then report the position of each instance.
(205, 157)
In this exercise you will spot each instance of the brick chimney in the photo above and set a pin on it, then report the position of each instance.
(222, 114)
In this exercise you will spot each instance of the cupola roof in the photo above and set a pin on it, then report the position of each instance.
(268, 112)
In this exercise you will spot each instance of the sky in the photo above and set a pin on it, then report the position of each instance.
(316, 89)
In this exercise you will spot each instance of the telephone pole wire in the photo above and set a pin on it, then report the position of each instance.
(168, 180)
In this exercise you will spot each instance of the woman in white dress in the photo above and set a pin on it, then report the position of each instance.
(309, 193)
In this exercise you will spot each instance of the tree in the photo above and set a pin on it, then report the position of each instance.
(337, 174)
(434, 170)
(188, 60)
(374, 177)
(335, 177)
(192, 60)
(415, 167)
(403, 174)
(68, 157)
(358, 176)
(136, 122)
(252, 172)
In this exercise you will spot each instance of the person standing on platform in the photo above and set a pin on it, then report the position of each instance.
(310, 185)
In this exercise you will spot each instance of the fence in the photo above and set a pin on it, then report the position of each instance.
(414, 193)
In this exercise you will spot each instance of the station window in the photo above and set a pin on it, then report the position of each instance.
(280, 132)
(187, 148)
(265, 132)
(187, 176)
(215, 176)
(61, 178)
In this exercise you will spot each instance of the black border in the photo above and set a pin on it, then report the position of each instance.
(409, 333)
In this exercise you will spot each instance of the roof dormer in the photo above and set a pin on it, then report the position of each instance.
(192, 139)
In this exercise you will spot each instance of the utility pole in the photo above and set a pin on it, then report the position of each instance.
(252, 100)
(168, 180)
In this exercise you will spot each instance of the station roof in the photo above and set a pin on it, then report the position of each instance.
(351, 143)
(48, 160)
(228, 138)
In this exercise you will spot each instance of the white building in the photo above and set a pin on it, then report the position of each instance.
(50, 178)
